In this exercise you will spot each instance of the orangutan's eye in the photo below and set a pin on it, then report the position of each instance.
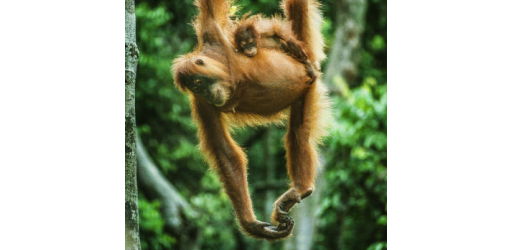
(198, 81)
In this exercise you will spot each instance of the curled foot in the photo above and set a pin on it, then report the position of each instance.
(285, 203)
(264, 230)
(296, 51)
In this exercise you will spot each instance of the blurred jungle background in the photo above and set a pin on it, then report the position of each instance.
(181, 204)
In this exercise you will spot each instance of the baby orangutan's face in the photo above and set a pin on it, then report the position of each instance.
(247, 42)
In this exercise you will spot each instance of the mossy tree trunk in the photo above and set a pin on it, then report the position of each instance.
(131, 57)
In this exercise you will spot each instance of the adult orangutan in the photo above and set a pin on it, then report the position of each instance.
(227, 87)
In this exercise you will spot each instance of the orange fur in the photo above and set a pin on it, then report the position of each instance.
(266, 88)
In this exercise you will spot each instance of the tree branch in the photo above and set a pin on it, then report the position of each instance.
(176, 212)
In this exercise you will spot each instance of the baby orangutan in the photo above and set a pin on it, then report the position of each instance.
(271, 34)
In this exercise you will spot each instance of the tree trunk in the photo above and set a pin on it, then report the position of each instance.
(175, 211)
(304, 215)
(346, 51)
(131, 57)
(270, 169)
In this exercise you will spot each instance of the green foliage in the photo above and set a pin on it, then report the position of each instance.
(214, 201)
(373, 55)
(163, 117)
(151, 226)
(353, 211)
